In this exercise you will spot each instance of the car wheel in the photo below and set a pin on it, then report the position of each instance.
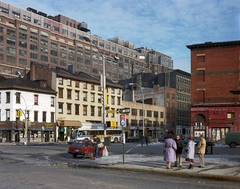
(116, 140)
(233, 145)
(74, 155)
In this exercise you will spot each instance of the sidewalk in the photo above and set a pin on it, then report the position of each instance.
(217, 167)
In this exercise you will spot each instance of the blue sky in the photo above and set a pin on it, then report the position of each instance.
(164, 25)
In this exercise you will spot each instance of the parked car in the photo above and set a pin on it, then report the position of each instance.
(232, 139)
(83, 148)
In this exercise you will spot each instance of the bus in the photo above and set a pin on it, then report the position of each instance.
(88, 130)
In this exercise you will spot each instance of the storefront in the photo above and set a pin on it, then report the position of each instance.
(37, 132)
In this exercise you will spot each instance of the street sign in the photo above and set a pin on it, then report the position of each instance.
(123, 111)
(122, 116)
(111, 111)
(122, 122)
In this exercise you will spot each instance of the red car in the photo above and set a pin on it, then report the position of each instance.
(84, 149)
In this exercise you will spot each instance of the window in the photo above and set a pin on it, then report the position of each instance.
(84, 110)
(76, 109)
(18, 98)
(92, 110)
(53, 53)
(54, 45)
(22, 52)
(118, 101)
(11, 50)
(84, 85)
(22, 35)
(33, 56)
(4, 10)
(44, 58)
(54, 60)
(35, 116)
(76, 95)
(155, 114)
(84, 96)
(33, 47)
(35, 99)
(11, 32)
(134, 111)
(69, 94)
(52, 117)
(113, 100)
(7, 97)
(92, 97)
(52, 101)
(149, 113)
(230, 115)
(60, 80)
(7, 114)
(69, 108)
(161, 114)
(99, 111)
(60, 108)
(99, 98)
(69, 82)
(141, 112)
(22, 44)
(76, 83)
(44, 116)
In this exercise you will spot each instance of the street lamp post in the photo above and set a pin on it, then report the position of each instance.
(131, 84)
(26, 125)
(104, 94)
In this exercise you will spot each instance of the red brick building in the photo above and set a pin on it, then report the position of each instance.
(215, 99)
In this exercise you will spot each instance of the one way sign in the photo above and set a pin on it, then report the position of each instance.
(123, 111)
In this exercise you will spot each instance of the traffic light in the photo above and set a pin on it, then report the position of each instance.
(108, 123)
(19, 113)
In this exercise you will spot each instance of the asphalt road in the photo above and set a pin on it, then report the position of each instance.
(24, 175)
(33, 167)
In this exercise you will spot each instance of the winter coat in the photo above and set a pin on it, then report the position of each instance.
(170, 148)
(180, 145)
(190, 149)
(201, 147)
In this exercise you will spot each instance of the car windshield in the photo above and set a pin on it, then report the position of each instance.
(81, 143)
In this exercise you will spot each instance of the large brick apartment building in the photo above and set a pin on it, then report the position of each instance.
(215, 89)
(30, 36)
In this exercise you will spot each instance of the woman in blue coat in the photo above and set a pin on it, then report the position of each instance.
(170, 150)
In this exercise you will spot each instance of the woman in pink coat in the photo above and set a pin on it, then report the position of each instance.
(170, 151)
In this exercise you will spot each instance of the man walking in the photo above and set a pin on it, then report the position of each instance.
(201, 148)
(180, 145)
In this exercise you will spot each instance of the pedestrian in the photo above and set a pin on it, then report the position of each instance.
(201, 149)
(190, 150)
(96, 142)
(180, 145)
(170, 150)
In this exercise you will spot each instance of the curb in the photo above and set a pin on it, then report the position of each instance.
(152, 171)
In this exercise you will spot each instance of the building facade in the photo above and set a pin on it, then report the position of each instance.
(37, 104)
(30, 36)
(170, 90)
(80, 103)
(154, 120)
(215, 89)
(157, 62)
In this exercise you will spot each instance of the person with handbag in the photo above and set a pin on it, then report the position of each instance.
(170, 150)
(190, 151)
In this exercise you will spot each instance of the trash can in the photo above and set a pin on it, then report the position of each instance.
(107, 141)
